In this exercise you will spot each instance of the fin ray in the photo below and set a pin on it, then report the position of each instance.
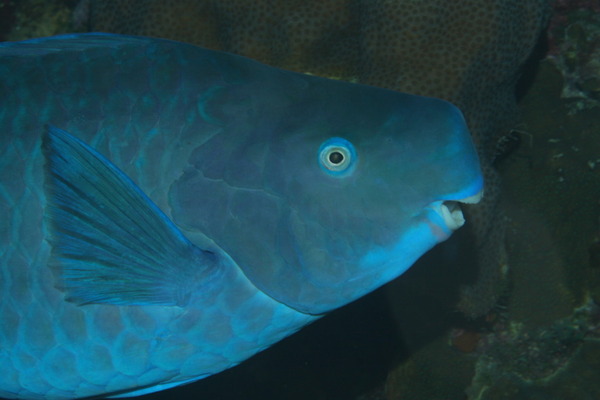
(110, 242)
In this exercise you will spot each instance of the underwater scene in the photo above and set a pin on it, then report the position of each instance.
(506, 307)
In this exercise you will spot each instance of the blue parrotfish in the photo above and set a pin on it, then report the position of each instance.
(167, 211)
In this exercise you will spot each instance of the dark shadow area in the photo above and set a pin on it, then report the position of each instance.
(530, 68)
(424, 299)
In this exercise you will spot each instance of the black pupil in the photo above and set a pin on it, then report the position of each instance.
(336, 157)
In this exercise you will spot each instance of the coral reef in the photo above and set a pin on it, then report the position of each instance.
(516, 362)
(564, 12)
(544, 342)
(26, 19)
(575, 51)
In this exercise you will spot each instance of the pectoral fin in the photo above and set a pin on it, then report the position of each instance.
(110, 242)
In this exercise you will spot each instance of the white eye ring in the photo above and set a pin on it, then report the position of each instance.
(337, 156)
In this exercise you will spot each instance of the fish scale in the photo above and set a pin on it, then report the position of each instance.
(169, 213)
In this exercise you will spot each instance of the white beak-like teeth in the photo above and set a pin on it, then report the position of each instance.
(473, 199)
(452, 214)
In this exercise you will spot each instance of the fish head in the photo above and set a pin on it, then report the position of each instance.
(353, 185)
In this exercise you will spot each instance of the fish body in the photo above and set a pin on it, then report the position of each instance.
(168, 211)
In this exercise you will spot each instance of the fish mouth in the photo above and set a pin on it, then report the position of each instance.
(451, 213)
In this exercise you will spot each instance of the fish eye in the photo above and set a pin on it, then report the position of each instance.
(337, 156)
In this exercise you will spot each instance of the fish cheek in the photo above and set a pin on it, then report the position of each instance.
(331, 229)
(325, 251)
